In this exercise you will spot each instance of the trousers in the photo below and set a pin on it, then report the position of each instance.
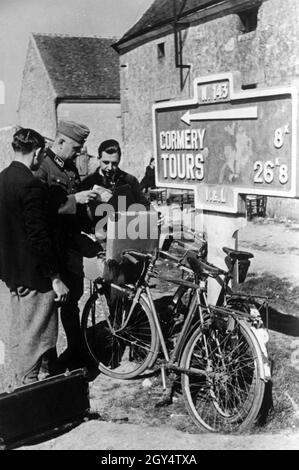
(33, 331)
(70, 315)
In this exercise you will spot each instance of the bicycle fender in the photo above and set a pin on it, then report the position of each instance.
(262, 345)
(144, 299)
(261, 358)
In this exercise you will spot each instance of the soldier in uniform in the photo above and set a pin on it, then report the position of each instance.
(59, 172)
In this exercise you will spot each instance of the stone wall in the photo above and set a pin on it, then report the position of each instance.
(266, 57)
(37, 100)
(279, 208)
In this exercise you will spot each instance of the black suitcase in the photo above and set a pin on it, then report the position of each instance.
(34, 411)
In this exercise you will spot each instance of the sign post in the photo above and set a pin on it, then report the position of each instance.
(226, 142)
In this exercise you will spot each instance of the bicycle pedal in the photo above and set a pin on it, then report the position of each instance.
(167, 399)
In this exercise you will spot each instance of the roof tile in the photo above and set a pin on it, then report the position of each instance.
(80, 67)
(162, 12)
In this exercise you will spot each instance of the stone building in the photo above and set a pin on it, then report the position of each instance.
(73, 78)
(176, 41)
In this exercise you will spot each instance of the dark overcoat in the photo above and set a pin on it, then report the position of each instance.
(27, 253)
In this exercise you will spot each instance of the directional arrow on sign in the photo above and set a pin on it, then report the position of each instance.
(249, 112)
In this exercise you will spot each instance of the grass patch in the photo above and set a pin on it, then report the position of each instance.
(282, 295)
(283, 348)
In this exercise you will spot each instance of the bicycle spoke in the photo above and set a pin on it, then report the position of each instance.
(230, 393)
(122, 342)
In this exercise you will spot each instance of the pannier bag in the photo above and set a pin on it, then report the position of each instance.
(242, 266)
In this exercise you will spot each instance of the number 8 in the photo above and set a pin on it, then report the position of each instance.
(278, 139)
(283, 174)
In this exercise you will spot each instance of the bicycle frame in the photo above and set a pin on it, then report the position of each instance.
(196, 307)
(144, 291)
(172, 361)
(214, 349)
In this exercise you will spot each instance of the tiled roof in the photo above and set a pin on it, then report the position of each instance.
(162, 12)
(80, 67)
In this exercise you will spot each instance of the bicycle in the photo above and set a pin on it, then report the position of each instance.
(218, 357)
(238, 263)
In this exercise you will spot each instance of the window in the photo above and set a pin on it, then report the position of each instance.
(161, 50)
(249, 86)
(249, 20)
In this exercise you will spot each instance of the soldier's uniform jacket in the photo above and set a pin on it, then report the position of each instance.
(63, 180)
(68, 218)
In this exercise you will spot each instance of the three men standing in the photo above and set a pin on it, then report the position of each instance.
(39, 221)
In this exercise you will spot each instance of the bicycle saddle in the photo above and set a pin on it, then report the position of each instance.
(207, 269)
(235, 254)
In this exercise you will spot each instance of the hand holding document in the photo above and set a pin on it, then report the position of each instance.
(103, 194)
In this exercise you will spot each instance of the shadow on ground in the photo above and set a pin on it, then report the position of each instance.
(51, 432)
(280, 322)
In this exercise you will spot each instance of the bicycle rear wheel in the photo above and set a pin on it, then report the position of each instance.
(123, 344)
(223, 388)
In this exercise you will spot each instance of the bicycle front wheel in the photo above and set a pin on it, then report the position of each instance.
(222, 387)
(122, 343)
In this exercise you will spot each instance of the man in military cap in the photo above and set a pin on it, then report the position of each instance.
(59, 172)
(58, 165)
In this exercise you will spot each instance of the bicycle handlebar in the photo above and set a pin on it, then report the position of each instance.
(130, 258)
(134, 256)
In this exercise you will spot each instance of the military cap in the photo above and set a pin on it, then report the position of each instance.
(75, 131)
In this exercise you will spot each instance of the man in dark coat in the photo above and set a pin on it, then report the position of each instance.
(110, 177)
(59, 172)
(28, 261)
(116, 188)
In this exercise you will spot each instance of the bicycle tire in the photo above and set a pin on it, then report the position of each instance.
(120, 351)
(229, 397)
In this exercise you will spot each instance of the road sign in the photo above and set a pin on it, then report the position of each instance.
(226, 141)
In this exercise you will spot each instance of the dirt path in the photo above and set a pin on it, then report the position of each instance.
(275, 248)
(97, 435)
